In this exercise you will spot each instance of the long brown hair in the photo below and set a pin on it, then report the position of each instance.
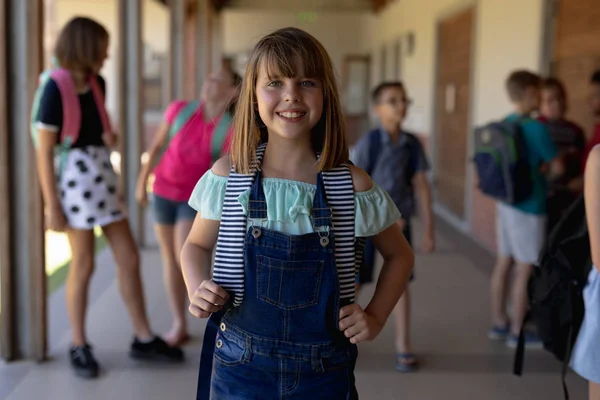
(279, 52)
(80, 45)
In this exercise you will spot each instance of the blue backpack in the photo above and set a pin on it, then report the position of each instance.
(502, 163)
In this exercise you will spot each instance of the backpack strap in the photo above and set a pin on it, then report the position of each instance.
(219, 136)
(100, 104)
(339, 189)
(374, 142)
(182, 118)
(228, 270)
(70, 105)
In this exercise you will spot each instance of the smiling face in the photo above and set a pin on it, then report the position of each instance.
(289, 106)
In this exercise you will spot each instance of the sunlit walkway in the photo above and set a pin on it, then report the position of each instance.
(450, 310)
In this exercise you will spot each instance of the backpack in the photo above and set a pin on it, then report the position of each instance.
(501, 162)
(374, 149)
(555, 289)
(71, 121)
(184, 116)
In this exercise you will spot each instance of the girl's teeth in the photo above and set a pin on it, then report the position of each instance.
(291, 114)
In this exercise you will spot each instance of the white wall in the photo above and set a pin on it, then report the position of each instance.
(339, 32)
(505, 40)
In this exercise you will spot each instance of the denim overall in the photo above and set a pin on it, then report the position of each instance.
(283, 341)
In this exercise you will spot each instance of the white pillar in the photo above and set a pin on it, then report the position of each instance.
(23, 22)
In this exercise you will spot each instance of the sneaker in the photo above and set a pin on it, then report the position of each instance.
(83, 361)
(532, 341)
(498, 332)
(157, 349)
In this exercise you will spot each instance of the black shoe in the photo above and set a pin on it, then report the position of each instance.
(157, 350)
(83, 361)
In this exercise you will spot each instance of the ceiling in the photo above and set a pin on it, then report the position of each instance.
(299, 5)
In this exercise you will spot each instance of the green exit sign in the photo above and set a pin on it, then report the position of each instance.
(307, 16)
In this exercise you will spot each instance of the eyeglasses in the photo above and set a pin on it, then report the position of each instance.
(398, 102)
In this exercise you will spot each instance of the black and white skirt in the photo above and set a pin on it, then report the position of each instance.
(87, 186)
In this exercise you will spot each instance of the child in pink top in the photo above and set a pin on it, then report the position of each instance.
(178, 161)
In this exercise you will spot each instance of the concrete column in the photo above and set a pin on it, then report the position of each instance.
(177, 10)
(23, 25)
(131, 106)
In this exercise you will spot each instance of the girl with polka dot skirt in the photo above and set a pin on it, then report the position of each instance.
(288, 215)
(585, 359)
(192, 136)
(80, 187)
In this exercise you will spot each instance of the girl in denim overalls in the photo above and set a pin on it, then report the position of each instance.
(289, 219)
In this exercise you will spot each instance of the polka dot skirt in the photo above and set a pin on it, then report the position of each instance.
(88, 188)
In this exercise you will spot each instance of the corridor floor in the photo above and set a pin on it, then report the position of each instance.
(450, 308)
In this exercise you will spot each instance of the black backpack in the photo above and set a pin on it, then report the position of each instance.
(556, 288)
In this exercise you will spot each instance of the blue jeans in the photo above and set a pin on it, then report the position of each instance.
(169, 212)
(283, 341)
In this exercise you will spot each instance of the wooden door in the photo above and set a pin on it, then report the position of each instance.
(452, 109)
(577, 53)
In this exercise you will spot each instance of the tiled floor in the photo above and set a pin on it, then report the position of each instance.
(450, 320)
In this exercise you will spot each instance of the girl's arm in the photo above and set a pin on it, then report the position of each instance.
(592, 202)
(398, 262)
(148, 160)
(196, 257)
(45, 166)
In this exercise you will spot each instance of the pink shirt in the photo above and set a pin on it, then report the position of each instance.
(188, 156)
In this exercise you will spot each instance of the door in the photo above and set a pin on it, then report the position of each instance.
(356, 71)
(577, 53)
(452, 110)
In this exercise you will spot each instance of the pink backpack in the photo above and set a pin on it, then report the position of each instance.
(70, 106)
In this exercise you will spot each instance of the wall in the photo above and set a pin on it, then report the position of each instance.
(339, 32)
(499, 48)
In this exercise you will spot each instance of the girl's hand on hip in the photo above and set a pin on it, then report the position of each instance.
(357, 325)
(208, 298)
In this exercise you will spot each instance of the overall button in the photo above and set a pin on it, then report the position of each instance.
(256, 233)
(223, 327)
(219, 344)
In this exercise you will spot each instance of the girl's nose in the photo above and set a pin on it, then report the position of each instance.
(291, 94)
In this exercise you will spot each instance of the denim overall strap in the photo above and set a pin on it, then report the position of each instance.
(321, 212)
(257, 204)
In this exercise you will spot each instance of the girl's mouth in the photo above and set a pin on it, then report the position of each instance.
(291, 116)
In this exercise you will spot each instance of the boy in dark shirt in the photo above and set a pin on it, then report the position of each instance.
(396, 161)
(595, 108)
(570, 143)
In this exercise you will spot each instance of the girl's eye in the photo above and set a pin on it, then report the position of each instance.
(274, 84)
(308, 84)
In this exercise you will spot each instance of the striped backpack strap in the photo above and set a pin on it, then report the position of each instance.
(100, 104)
(340, 196)
(228, 270)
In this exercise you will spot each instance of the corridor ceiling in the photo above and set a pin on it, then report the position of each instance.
(300, 5)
